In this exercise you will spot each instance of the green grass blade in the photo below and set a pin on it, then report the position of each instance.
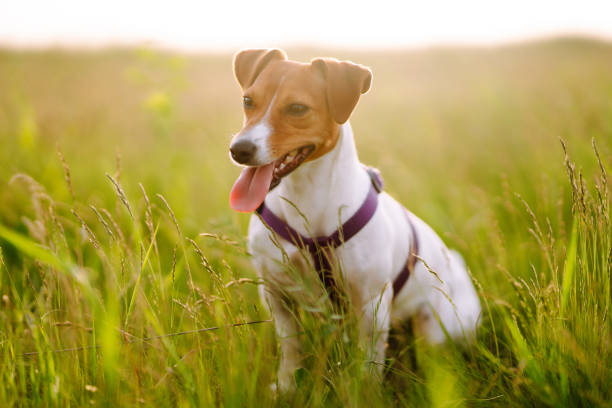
(569, 268)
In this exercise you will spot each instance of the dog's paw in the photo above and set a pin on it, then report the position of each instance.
(277, 392)
(287, 383)
(282, 387)
(274, 389)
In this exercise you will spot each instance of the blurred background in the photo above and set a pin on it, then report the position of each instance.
(115, 120)
(149, 79)
(205, 26)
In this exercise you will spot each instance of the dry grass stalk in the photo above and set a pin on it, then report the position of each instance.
(32, 184)
(114, 223)
(58, 225)
(203, 259)
(148, 212)
(103, 221)
(176, 224)
(117, 165)
(66, 172)
(173, 270)
(92, 238)
(242, 281)
(121, 194)
(571, 173)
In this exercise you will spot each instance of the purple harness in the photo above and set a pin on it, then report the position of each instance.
(349, 229)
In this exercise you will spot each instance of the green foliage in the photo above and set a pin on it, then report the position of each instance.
(115, 229)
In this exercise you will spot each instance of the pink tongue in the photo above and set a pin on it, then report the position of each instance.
(250, 189)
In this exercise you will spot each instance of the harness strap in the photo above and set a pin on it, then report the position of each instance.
(350, 228)
(403, 276)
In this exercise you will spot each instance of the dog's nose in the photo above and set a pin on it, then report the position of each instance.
(243, 151)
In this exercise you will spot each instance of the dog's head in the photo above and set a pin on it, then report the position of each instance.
(292, 113)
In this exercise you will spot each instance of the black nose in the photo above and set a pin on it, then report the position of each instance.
(243, 151)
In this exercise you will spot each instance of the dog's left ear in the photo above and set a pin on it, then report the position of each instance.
(345, 84)
(248, 64)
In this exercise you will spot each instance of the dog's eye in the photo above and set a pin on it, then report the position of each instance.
(297, 109)
(247, 102)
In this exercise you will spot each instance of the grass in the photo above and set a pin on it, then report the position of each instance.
(115, 229)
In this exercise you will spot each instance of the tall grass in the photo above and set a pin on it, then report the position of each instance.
(115, 230)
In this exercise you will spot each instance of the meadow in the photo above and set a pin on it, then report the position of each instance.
(115, 229)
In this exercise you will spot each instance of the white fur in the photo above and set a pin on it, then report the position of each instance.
(260, 133)
(369, 261)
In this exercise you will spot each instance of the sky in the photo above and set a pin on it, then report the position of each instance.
(228, 25)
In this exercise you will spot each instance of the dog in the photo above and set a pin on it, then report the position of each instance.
(303, 181)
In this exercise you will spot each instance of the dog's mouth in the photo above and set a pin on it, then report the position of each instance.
(251, 188)
(288, 163)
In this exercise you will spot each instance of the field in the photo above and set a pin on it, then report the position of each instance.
(115, 229)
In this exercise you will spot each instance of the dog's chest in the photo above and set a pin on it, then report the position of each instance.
(364, 260)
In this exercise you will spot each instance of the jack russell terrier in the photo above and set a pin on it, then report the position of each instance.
(305, 183)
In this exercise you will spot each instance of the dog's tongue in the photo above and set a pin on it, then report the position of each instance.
(251, 188)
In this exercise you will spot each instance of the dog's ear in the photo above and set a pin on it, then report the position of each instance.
(248, 64)
(345, 83)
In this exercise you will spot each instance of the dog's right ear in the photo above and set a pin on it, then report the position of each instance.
(248, 64)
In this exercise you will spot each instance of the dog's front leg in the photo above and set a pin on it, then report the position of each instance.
(287, 334)
(374, 327)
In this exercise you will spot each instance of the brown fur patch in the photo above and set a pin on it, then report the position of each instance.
(283, 83)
